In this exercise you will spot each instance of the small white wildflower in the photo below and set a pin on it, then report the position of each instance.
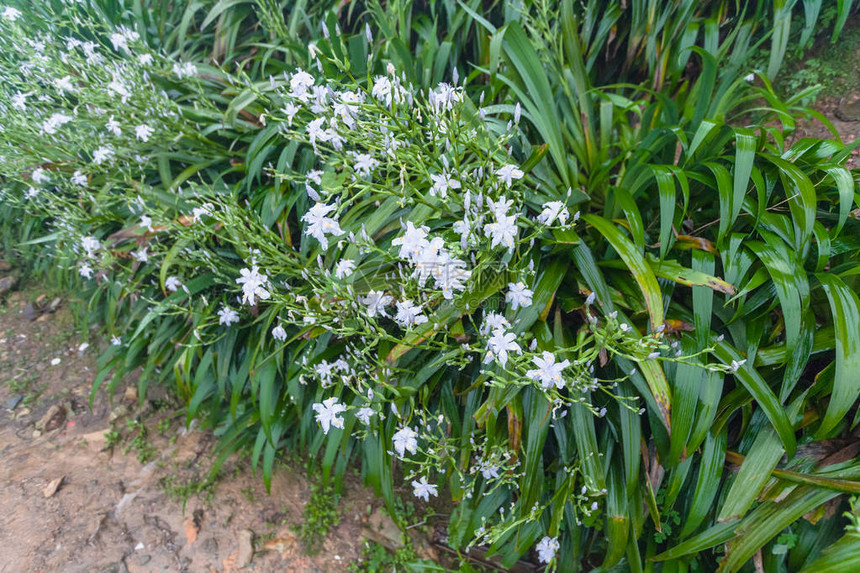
(499, 345)
(328, 414)
(10, 13)
(406, 439)
(320, 224)
(344, 268)
(408, 314)
(363, 414)
(548, 371)
(518, 295)
(278, 333)
(508, 173)
(90, 245)
(102, 154)
(253, 283)
(113, 126)
(376, 301)
(143, 132)
(39, 176)
(553, 210)
(172, 284)
(546, 549)
(140, 255)
(227, 316)
(423, 490)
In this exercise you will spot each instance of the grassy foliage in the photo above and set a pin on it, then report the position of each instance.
(708, 234)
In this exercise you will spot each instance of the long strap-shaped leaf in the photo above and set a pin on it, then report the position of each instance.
(845, 308)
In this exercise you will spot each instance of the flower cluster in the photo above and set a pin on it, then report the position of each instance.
(401, 278)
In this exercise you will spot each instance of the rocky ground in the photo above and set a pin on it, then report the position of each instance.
(81, 491)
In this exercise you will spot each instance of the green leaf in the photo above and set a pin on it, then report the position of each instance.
(842, 556)
(845, 310)
(641, 271)
(707, 483)
(758, 388)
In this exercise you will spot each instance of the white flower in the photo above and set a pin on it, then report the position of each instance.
(548, 371)
(119, 88)
(19, 101)
(382, 90)
(186, 69)
(327, 414)
(503, 231)
(290, 110)
(319, 224)
(406, 439)
(488, 470)
(145, 59)
(39, 176)
(589, 300)
(172, 284)
(344, 268)
(102, 154)
(141, 255)
(79, 178)
(253, 281)
(413, 240)
(494, 321)
(346, 108)
(119, 41)
(227, 316)
(499, 345)
(116, 341)
(363, 414)
(325, 370)
(86, 271)
(143, 132)
(113, 126)
(300, 84)
(553, 210)
(441, 184)
(464, 228)
(31, 193)
(736, 364)
(444, 97)
(422, 489)
(376, 302)
(408, 314)
(518, 295)
(90, 245)
(198, 212)
(364, 163)
(64, 84)
(11, 14)
(749, 77)
(55, 122)
(546, 549)
(508, 173)
(278, 333)
(146, 221)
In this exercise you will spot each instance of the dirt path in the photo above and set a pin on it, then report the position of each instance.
(112, 513)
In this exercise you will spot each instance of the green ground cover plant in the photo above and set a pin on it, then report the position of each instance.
(564, 264)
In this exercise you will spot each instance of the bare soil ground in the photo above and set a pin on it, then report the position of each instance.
(112, 513)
